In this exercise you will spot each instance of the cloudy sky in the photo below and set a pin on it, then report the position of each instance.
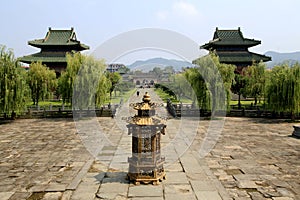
(275, 23)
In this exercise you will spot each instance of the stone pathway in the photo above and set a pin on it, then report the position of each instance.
(46, 159)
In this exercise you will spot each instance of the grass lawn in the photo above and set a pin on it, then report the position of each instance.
(46, 103)
(245, 102)
(164, 96)
(58, 103)
(125, 96)
(185, 100)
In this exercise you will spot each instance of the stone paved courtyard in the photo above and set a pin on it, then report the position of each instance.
(47, 159)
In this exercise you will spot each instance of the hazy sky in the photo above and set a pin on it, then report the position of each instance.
(276, 23)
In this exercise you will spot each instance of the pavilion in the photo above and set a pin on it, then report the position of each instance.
(54, 47)
(232, 48)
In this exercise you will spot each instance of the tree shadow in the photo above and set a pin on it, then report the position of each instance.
(5, 121)
(53, 119)
(112, 177)
(271, 120)
(294, 136)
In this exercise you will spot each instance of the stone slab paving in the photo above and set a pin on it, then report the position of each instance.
(258, 159)
(38, 155)
(46, 159)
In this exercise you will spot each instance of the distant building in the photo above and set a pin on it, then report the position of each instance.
(144, 79)
(232, 48)
(54, 47)
(114, 67)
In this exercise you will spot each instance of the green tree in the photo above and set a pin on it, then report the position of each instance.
(227, 75)
(256, 80)
(123, 70)
(42, 82)
(124, 86)
(169, 70)
(283, 89)
(13, 87)
(90, 85)
(114, 79)
(102, 90)
(218, 78)
(84, 80)
(180, 86)
(239, 87)
(157, 71)
(67, 79)
(201, 94)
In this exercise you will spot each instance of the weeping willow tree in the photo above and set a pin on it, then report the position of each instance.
(103, 87)
(91, 87)
(13, 87)
(295, 108)
(180, 86)
(84, 80)
(67, 78)
(201, 94)
(255, 80)
(227, 77)
(217, 78)
(42, 82)
(283, 89)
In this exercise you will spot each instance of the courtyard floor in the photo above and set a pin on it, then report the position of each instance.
(62, 159)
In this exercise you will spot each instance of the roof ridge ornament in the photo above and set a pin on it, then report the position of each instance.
(47, 34)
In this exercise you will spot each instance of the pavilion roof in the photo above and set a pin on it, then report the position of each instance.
(230, 38)
(241, 57)
(59, 38)
(45, 57)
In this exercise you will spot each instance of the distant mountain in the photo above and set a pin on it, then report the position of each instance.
(279, 58)
(148, 65)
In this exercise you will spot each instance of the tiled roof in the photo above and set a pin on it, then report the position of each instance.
(59, 38)
(45, 57)
(230, 38)
(228, 35)
(241, 56)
